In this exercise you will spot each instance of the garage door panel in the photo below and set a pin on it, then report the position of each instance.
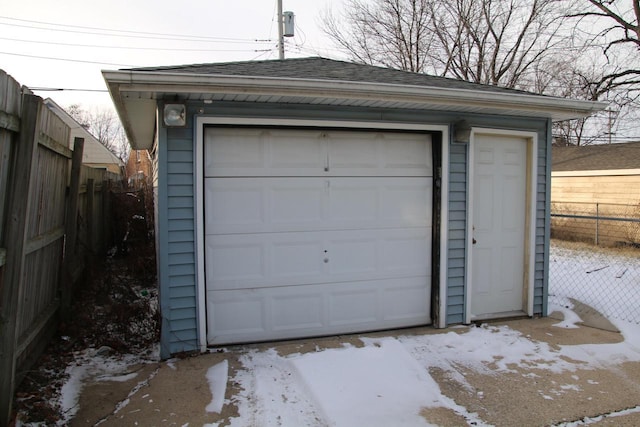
(246, 261)
(277, 152)
(301, 203)
(297, 257)
(313, 232)
(409, 154)
(234, 204)
(407, 201)
(235, 261)
(353, 201)
(258, 205)
(408, 299)
(406, 253)
(296, 152)
(357, 255)
(391, 253)
(298, 310)
(234, 151)
(355, 152)
(354, 304)
(264, 152)
(313, 310)
(223, 309)
(379, 154)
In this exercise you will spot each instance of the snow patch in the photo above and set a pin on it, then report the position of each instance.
(378, 385)
(217, 377)
(117, 378)
(90, 364)
(70, 392)
(569, 316)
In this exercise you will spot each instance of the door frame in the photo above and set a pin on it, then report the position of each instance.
(198, 138)
(531, 177)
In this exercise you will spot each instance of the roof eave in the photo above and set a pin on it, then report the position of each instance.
(123, 81)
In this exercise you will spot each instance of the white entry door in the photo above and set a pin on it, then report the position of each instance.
(499, 186)
(312, 232)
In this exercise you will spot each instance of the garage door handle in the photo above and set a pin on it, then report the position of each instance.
(474, 241)
(326, 260)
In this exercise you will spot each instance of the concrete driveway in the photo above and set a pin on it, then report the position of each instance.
(501, 391)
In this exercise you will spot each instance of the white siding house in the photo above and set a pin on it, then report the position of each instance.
(95, 154)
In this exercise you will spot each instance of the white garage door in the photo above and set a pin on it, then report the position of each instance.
(311, 232)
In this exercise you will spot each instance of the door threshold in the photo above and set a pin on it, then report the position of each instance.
(516, 314)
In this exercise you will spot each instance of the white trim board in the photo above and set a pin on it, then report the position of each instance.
(530, 251)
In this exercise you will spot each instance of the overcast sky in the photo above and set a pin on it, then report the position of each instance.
(65, 43)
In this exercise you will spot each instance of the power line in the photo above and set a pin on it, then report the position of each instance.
(67, 59)
(127, 47)
(62, 89)
(124, 33)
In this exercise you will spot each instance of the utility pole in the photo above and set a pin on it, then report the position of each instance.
(285, 28)
(280, 31)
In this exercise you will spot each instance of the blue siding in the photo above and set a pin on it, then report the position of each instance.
(543, 206)
(457, 233)
(177, 240)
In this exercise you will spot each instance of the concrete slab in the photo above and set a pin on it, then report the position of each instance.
(589, 315)
(176, 392)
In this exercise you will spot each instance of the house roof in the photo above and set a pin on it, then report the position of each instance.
(326, 69)
(596, 157)
(318, 81)
(94, 152)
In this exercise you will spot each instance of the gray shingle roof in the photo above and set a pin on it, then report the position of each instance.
(326, 69)
(596, 157)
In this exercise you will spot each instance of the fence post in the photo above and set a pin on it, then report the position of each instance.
(106, 216)
(91, 188)
(71, 229)
(18, 203)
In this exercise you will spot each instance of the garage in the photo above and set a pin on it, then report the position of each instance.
(311, 232)
(308, 196)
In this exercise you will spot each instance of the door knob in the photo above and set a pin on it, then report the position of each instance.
(474, 241)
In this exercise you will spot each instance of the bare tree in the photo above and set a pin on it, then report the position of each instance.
(605, 68)
(393, 33)
(617, 34)
(494, 42)
(103, 123)
(522, 44)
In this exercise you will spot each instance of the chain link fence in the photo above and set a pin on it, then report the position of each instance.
(595, 258)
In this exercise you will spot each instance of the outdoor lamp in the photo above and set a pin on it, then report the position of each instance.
(175, 115)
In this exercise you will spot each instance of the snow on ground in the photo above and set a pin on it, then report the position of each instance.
(605, 280)
(96, 364)
(387, 381)
(217, 378)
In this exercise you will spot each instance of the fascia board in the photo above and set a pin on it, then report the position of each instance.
(126, 81)
(556, 108)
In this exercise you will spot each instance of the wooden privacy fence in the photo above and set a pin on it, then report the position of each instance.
(43, 221)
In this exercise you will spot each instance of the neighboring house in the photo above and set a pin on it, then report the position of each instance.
(308, 197)
(602, 180)
(596, 173)
(138, 168)
(94, 154)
